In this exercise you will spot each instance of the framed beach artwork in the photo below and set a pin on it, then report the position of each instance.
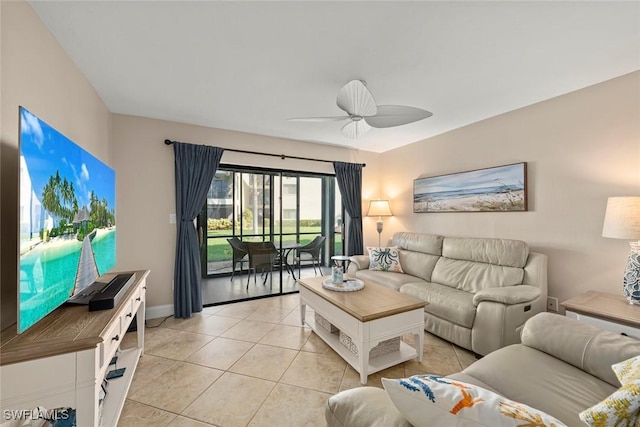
(497, 189)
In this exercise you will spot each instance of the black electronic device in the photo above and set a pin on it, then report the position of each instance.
(116, 373)
(112, 293)
(84, 296)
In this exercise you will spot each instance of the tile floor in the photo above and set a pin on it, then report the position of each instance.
(251, 363)
(222, 289)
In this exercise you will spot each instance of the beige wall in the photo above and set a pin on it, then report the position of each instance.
(580, 148)
(146, 186)
(37, 74)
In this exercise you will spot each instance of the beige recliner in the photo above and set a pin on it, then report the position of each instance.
(479, 291)
(553, 347)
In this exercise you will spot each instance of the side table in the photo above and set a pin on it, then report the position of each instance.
(606, 311)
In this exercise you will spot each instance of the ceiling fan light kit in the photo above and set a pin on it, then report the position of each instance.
(356, 100)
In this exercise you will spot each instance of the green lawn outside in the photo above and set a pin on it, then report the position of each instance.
(218, 249)
(285, 230)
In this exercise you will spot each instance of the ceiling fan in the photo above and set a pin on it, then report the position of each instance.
(355, 99)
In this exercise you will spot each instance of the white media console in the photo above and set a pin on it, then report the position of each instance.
(61, 361)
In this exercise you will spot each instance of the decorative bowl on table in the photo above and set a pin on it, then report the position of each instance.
(347, 285)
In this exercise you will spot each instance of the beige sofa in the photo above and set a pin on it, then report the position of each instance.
(479, 290)
(562, 367)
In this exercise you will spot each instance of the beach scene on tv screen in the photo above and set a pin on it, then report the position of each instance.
(67, 219)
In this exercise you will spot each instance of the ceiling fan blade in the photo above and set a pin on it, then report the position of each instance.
(396, 115)
(356, 100)
(319, 119)
(355, 129)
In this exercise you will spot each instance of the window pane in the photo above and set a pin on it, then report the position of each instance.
(265, 214)
(237, 205)
(310, 205)
(276, 207)
(219, 225)
(289, 204)
(252, 211)
(219, 204)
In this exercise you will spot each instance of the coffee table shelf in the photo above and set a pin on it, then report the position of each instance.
(369, 316)
(376, 364)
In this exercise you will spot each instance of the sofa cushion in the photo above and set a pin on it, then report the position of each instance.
(473, 276)
(430, 400)
(445, 302)
(541, 381)
(591, 349)
(418, 264)
(510, 253)
(387, 278)
(415, 242)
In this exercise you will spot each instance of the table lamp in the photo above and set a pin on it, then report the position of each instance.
(379, 208)
(622, 221)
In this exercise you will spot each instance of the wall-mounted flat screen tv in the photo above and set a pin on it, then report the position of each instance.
(67, 219)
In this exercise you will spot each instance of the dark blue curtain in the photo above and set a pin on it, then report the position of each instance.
(349, 177)
(195, 167)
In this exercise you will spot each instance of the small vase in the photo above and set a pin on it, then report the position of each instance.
(336, 275)
(631, 283)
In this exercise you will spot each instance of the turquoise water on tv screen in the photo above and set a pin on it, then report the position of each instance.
(48, 273)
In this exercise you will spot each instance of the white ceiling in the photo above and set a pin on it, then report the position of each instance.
(249, 66)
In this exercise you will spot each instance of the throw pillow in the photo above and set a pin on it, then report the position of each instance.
(431, 400)
(384, 259)
(627, 370)
(620, 409)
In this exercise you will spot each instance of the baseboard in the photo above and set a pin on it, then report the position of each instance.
(158, 311)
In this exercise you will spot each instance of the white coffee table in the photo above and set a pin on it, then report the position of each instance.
(367, 316)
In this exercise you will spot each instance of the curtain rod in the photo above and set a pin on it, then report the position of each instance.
(282, 156)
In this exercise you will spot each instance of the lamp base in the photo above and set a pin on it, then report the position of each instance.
(631, 282)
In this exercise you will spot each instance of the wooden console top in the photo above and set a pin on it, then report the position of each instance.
(69, 328)
(372, 302)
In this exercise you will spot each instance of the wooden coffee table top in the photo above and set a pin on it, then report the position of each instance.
(372, 302)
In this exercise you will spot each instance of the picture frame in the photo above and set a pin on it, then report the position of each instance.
(494, 189)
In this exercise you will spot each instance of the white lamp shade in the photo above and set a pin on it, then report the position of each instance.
(379, 208)
(622, 218)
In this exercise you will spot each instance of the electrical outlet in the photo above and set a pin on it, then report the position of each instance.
(552, 304)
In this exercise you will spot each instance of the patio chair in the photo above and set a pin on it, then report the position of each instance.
(263, 257)
(311, 252)
(240, 254)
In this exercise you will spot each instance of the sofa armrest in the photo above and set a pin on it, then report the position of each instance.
(507, 295)
(358, 262)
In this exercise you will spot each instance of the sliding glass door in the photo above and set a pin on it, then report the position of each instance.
(284, 207)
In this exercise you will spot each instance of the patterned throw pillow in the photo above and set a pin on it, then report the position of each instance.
(628, 370)
(384, 259)
(431, 400)
(620, 409)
